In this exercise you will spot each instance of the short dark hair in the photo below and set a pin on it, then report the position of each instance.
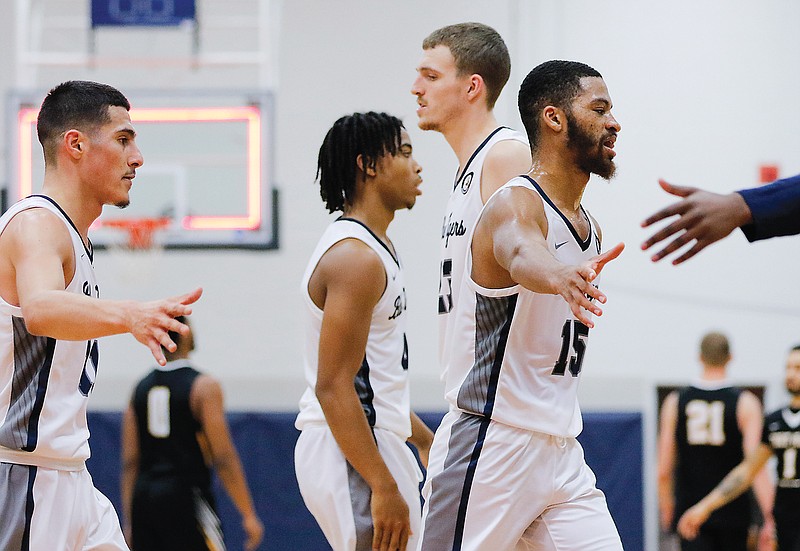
(476, 49)
(370, 135)
(715, 349)
(555, 83)
(78, 104)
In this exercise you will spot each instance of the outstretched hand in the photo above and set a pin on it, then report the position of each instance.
(577, 288)
(703, 217)
(151, 322)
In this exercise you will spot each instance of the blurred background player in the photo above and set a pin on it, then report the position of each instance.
(781, 438)
(173, 433)
(356, 474)
(52, 318)
(705, 430)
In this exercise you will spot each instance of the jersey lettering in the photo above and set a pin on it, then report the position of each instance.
(574, 336)
(446, 286)
(158, 421)
(705, 423)
(789, 464)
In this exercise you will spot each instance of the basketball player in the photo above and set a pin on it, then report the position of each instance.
(52, 318)
(356, 474)
(781, 438)
(172, 430)
(506, 471)
(462, 72)
(706, 429)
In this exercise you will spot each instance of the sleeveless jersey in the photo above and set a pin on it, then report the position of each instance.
(45, 383)
(167, 428)
(382, 381)
(463, 207)
(782, 433)
(709, 445)
(517, 355)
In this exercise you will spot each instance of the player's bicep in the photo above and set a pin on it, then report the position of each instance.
(750, 419)
(516, 221)
(39, 249)
(355, 281)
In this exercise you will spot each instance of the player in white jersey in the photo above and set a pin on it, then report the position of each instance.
(505, 469)
(460, 77)
(356, 474)
(51, 318)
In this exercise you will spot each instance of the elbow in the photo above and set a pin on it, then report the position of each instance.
(36, 319)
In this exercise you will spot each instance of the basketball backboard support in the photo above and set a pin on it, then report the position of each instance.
(208, 167)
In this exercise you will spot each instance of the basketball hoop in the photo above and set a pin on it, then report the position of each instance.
(141, 231)
(136, 253)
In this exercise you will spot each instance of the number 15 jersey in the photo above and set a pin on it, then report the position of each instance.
(517, 355)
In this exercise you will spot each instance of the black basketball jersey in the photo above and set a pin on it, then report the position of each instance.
(168, 444)
(782, 434)
(709, 445)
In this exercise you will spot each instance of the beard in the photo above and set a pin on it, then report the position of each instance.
(589, 152)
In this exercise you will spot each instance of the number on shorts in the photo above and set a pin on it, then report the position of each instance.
(574, 335)
(705, 423)
(158, 424)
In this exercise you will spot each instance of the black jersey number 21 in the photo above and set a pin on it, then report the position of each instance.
(574, 335)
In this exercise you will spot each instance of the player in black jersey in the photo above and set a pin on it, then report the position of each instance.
(706, 429)
(174, 431)
(781, 438)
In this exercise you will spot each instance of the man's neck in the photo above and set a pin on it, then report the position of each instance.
(466, 133)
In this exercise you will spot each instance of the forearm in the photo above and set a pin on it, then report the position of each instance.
(349, 427)
(231, 474)
(731, 487)
(764, 490)
(127, 482)
(532, 266)
(70, 316)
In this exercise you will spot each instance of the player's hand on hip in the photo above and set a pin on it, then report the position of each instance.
(390, 521)
(151, 322)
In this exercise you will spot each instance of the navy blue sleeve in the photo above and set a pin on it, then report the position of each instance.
(775, 208)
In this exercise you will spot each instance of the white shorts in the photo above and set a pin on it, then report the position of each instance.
(495, 487)
(46, 510)
(339, 498)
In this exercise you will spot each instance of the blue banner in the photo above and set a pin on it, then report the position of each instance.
(142, 13)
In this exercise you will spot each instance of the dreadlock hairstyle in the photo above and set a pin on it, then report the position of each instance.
(78, 104)
(554, 83)
(369, 135)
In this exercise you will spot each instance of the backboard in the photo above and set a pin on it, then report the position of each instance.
(208, 167)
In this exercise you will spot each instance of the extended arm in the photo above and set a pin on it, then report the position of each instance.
(751, 423)
(775, 209)
(736, 482)
(130, 466)
(509, 242)
(207, 405)
(347, 283)
(38, 264)
(667, 451)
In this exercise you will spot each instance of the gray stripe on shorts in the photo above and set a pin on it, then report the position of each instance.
(450, 488)
(16, 497)
(32, 359)
(493, 317)
(360, 496)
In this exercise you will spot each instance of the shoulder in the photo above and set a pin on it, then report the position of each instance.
(351, 259)
(206, 391)
(507, 157)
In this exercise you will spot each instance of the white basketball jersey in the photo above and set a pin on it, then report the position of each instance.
(463, 208)
(45, 383)
(517, 355)
(382, 381)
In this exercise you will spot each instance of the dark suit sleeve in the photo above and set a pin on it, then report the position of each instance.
(775, 208)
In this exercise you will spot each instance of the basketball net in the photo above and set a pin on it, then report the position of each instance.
(139, 247)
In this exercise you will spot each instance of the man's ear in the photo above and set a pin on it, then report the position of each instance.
(75, 143)
(476, 87)
(369, 171)
(554, 118)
